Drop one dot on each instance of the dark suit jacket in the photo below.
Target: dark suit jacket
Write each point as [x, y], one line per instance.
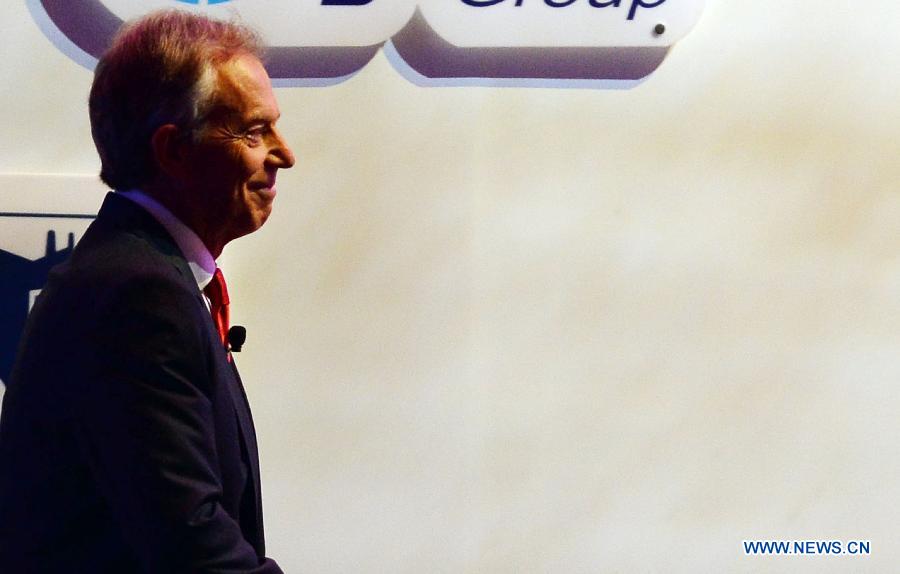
[126, 442]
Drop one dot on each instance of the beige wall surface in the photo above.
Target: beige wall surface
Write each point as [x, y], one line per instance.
[568, 331]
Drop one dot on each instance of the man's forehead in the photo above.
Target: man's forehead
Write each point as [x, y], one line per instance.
[244, 91]
[244, 69]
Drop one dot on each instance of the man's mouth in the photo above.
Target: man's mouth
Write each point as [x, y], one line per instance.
[265, 189]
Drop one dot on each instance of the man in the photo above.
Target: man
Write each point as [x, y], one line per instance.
[126, 443]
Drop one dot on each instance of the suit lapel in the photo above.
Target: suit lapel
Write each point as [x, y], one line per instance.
[228, 376]
[248, 432]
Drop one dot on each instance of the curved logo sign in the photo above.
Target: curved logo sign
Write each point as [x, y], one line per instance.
[431, 42]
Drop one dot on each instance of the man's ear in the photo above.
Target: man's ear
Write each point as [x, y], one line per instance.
[170, 149]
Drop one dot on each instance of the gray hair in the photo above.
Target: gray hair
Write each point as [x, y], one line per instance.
[159, 69]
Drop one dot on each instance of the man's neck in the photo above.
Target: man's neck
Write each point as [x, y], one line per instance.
[190, 215]
[201, 262]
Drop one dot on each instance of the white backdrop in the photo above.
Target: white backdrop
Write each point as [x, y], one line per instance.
[537, 330]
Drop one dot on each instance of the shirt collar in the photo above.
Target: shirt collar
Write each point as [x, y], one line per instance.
[199, 259]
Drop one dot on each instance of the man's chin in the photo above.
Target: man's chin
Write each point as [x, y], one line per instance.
[258, 218]
[249, 223]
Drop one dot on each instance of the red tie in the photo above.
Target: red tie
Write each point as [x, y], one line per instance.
[218, 304]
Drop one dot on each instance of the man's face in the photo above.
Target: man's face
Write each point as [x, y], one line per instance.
[233, 165]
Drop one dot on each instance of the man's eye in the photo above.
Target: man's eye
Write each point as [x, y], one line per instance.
[255, 136]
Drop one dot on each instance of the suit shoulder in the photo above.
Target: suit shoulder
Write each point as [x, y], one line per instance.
[107, 258]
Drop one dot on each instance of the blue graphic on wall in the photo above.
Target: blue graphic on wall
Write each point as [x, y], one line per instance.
[19, 278]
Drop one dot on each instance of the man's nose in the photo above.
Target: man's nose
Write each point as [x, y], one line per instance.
[280, 154]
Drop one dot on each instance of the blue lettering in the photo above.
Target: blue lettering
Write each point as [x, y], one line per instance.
[820, 547]
[817, 547]
[636, 3]
[632, 10]
[347, 2]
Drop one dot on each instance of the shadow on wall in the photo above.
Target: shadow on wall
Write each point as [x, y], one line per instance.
[19, 278]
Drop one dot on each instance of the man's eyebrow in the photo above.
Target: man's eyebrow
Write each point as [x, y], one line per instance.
[222, 112]
[262, 117]
[236, 117]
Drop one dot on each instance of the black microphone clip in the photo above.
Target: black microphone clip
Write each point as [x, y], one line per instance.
[237, 335]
